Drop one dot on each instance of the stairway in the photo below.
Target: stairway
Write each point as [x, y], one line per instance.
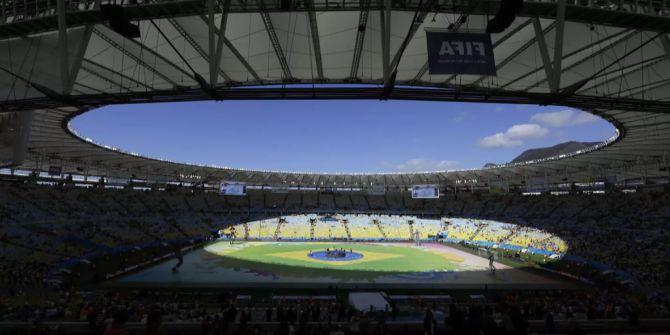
[208, 205]
[140, 227]
[511, 234]
[144, 203]
[167, 204]
[346, 228]
[178, 228]
[188, 204]
[444, 208]
[278, 230]
[312, 223]
[445, 225]
[283, 203]
[246, 230]
[477, 231]
[379, 226]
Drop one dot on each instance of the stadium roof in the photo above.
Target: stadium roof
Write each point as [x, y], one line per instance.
[608, 58]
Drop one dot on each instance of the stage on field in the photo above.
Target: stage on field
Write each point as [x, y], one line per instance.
[319, 264]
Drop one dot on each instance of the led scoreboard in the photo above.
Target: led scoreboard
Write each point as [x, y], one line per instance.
[425, 192]
[232, 188]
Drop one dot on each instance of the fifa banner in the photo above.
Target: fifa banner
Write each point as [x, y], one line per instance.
[460, 53]
[425, 192]
[376, 190]
[537, 185]
[499, 186]
[280, 189]
[232, 188]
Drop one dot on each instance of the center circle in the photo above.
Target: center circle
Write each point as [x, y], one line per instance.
[333, 256]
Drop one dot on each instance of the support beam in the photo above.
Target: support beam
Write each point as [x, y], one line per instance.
[360, 38]
[103, 77]
[224, 41]
[21, 147]
[79, 57]
[216, 71]
[316, 41]
[422, 71]
[498, 42]
[558, 45]
[621, 73]
[94, 66]
[141, 62]
[516, 53]
[220, 37]
[81, 52]
[414, 28]
[586, 47]
[63, 47]
[605, 16]
[242, 60]
[212, 47]
[666, 45]
[272, 34]
[625, 38]
[456, 26]
[385, 18]
[90, 88]
[463, 94]
[640, 89]
[544, 53]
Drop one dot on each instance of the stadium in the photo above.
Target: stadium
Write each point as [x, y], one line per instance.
[104, 240]
[376, 251]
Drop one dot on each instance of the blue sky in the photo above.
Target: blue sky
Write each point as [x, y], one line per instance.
[337, 136]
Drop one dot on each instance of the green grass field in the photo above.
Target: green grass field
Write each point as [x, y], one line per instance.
[376, 258]
[288, 265]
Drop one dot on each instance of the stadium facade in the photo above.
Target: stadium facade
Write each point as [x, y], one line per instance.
[63, 58]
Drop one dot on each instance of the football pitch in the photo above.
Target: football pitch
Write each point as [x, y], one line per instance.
[375, 257]
[302, 265]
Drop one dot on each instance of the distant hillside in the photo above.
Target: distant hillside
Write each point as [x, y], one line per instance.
[558, 149]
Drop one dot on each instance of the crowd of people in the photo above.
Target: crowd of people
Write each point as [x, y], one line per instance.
[377, 227]
[46, 229]
[228, 313]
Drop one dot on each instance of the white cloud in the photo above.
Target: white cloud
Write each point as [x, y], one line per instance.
[421, 164]
[499, 140]
[526, 130]
[514, 136]
[583, 117]
[554, 119]
[564, 118]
